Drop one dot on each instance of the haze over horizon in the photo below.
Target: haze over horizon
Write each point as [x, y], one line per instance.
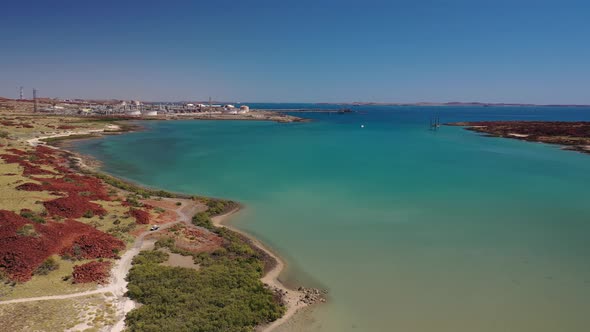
[305, 51]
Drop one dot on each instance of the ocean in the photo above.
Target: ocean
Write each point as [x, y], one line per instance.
[408, 229]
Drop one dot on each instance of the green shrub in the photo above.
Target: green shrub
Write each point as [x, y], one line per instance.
[225, 296]
[202, 219]
[47, 266]
[218, 206]
[32, 216]
[27, 230]
[133, 201]
[129, 186]
[215, 207]
[165, 242]
[150, 257]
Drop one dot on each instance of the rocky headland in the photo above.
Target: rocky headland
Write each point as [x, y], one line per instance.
[571, 135]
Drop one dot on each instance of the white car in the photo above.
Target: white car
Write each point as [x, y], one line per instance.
[154, 228]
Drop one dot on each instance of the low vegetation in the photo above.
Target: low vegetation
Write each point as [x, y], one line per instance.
[47, 266]
[51, 140]
[93, 312]
[32, 216]
[202, 219]
[62, 228]
[215, 207]
[27, 230]
[219, 206]
[130, 187]
[225, 294]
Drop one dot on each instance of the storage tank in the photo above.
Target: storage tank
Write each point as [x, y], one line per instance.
[244, 109]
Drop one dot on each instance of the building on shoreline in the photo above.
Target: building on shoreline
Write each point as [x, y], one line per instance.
[133, 113]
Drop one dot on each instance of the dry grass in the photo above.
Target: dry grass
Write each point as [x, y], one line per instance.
[89, 313]
[80, 313]
[47, 285]
[44, 125]
[13, 199]
[116, 222]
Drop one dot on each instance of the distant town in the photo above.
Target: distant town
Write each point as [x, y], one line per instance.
[125, 107]
[140, 109]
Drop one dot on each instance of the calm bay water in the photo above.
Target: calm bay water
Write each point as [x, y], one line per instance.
[410, 230]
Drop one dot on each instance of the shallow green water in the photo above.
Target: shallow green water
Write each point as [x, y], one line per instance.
[409, 230]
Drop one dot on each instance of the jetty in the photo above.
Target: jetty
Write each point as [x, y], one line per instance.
[434, 123]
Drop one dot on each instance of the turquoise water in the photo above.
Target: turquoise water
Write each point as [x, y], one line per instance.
[410, 230]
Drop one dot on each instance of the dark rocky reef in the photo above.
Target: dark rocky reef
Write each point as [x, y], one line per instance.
[572, 135]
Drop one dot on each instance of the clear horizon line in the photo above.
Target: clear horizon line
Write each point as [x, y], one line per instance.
[319, 102]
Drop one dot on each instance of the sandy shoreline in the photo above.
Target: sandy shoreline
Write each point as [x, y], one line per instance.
[293, 299]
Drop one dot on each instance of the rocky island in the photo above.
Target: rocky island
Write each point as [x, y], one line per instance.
[572, 135]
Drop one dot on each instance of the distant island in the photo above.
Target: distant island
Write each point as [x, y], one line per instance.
[454, 103]
[219, 104]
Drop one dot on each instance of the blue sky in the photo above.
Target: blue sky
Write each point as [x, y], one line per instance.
[307, 51]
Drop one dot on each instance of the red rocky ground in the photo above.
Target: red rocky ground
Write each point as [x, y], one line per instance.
[92, 272]
[94, 245]
[78, 190]
[141, 216]
[573, 135]
[74, 206]
[66, 127]
[71, 184]
[192, 239]
[20, 255]
[22, 252]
